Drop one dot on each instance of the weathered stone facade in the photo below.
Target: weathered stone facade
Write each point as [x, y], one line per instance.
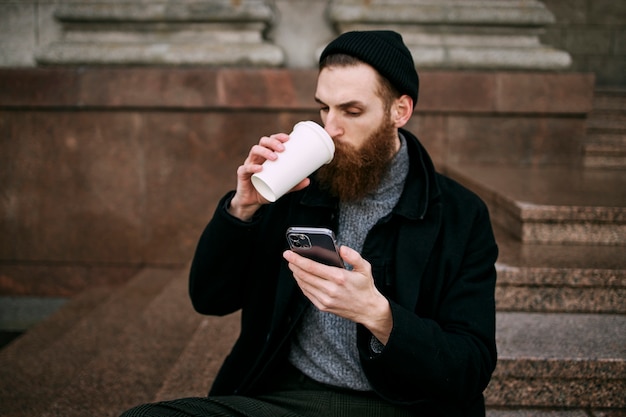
[581, 35]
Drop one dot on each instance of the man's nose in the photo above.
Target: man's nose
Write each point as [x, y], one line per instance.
[332, 125]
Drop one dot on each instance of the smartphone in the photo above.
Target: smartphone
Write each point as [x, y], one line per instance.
[316, 243]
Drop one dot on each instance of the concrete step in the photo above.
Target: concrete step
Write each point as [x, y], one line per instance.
[559, 278]
[28, 384]
[605, 144]
[609, 100]
[108, 350]
[195, 370]
[37, 368]
[540, 412]
[605, 150]
[606, 122]
[551, 204]
[130, 367]
[534, 348]
[560, 361]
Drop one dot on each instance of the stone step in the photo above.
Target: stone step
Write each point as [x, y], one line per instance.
[27, 383]
[541, 354]
[130, 367]
[607, 160]
[605, 149]
[108, 350]
[605, 144]
[551, 204]
[212, 341]
[37, 367]
[540, 412]
[559, 278]
[565, 361]
[606, 122]
[610, 100]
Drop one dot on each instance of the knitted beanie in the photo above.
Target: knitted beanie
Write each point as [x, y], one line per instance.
[385, 51]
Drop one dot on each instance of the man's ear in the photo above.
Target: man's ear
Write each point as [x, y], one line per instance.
[402, 110]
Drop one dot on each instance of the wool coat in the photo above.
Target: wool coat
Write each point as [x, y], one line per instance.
[433, 257]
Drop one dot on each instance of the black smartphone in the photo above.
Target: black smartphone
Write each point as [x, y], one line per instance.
[316, 243]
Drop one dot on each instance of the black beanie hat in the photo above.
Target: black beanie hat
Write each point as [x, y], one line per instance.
[385, 51]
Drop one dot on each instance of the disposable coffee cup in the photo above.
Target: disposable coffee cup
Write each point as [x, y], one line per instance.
[308, 148]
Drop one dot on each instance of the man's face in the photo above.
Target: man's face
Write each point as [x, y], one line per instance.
[350, 108]
[360, 124]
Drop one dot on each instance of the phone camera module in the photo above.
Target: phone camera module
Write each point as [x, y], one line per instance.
[300, 241]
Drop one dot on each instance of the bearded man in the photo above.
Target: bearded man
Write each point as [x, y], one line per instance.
[409, 328]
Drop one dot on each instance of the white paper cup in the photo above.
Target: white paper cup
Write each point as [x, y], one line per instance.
[308, 148]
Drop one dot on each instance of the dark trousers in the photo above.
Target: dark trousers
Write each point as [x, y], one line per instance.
[295, 395]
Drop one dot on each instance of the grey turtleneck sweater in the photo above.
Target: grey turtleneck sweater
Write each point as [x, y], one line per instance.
[324, 347]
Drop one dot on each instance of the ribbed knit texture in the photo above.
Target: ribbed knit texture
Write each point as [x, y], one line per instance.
[324, 347]
[385, 51]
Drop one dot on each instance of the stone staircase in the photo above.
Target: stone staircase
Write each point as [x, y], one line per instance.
[560, 298]
[561, 292]
[111, 348]
[606, 128]
[561, 325]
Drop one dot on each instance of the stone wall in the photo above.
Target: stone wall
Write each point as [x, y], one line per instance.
[105, 170]
[108, 170]
[594, 33]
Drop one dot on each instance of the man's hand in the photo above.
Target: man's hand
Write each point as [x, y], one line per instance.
[349, 294]
[247, 200]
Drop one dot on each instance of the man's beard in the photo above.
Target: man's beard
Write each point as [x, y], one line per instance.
[355, 173]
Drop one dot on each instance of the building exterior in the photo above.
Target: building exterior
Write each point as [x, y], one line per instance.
[288, 33]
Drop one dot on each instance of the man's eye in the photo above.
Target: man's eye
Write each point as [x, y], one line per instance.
[324, 109]
[353, 113]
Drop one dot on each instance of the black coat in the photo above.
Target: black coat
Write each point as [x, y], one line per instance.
[433, 257]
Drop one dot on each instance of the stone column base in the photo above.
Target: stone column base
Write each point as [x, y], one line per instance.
[200, 32]
[460, 34]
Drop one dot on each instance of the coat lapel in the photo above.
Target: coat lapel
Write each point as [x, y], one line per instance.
[415, 245]
[421, 207]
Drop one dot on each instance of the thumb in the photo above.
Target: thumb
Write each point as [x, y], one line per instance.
[353, 258]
